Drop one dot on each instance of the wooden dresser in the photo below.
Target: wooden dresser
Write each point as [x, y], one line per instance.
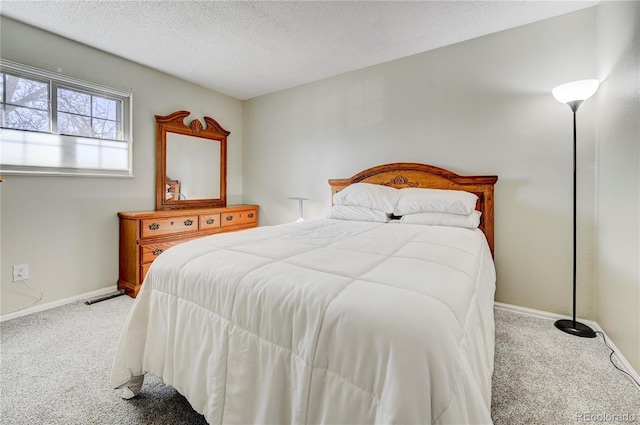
[146, 234]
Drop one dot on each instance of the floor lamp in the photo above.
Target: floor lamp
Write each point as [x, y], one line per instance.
[573, 94]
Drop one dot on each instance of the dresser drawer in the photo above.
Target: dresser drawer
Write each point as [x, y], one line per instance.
[167, 226]
[209, 221]
[239, 217]
[151, 251]
[144, 235]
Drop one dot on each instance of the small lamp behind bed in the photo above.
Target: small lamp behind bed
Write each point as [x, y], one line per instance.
[573, 94]
[300, 206]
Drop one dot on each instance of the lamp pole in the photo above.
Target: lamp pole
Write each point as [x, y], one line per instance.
[575, 209]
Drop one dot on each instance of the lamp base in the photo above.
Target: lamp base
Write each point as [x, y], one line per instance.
[575, 328]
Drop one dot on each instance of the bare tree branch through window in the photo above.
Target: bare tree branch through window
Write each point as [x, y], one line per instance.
[52, 123]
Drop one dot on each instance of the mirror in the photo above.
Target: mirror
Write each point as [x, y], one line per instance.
[191, 163]
[190, 159]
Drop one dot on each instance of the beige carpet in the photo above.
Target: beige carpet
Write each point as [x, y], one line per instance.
[545, 376]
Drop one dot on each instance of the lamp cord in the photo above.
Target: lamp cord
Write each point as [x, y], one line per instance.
[613, 363]
[37, 299]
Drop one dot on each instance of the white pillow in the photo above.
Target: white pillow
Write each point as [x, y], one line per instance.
[416, 200]
[471, 221]
[344, 212]
[367, 195]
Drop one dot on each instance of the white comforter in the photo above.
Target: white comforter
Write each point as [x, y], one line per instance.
[324, 321]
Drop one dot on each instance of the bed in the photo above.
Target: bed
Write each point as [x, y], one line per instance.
[329, 321]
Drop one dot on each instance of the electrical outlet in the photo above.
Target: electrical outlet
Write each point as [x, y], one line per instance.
[20, 272]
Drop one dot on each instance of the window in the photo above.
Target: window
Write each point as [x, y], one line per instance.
[53, 124]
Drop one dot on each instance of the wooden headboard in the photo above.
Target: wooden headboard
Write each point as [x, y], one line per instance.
[174, 187]
[408, 174]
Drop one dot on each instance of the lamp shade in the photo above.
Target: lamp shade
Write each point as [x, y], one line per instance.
[576, 90]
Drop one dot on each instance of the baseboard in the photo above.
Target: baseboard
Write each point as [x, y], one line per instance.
[58, 303]
[553, 316]
[538, 313]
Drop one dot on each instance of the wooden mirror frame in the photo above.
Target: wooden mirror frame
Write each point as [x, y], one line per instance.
[174, 123]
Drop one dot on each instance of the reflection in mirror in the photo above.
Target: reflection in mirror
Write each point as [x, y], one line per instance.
[173, 190]
[192, 162]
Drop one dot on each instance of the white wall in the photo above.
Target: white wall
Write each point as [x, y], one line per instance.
[479, 107]
[617, 294]
[66, 228]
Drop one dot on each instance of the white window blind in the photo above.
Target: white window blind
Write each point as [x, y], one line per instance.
[54, 124]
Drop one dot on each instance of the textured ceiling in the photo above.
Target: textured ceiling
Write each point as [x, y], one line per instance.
[249, 48]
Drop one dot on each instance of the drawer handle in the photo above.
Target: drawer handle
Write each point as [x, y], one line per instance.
[154, 226]
[229, 217]
[188, 222]
[250, 215]
[210, 221]
[157, 251]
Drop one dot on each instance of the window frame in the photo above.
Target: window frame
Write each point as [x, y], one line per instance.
[55, 81]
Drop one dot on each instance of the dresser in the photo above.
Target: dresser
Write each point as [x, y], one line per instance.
[146, 234]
